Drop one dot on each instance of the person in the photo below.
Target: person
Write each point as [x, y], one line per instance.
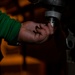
[13, 31]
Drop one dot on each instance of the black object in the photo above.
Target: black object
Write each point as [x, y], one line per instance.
[72, 54]
[1, 56]
[23, 53]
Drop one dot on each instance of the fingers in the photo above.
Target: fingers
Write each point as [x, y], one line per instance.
[47, 28]
[35, 32]
[43, 26]
[41, 35]
[43, 32]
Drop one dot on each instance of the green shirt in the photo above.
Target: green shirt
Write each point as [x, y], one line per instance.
[9, 28]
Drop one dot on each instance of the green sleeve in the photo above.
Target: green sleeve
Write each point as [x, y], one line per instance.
[9, 28]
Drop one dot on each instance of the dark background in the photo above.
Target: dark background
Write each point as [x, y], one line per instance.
[53, 51]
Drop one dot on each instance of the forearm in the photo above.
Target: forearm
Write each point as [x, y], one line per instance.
[9, 28]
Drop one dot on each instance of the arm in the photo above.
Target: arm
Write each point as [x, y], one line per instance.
[9, 28]
[13, 31]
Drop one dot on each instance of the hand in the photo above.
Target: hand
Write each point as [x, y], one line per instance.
[34, 32]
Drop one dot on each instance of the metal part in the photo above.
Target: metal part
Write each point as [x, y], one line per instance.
[70, 40]
[53, 14]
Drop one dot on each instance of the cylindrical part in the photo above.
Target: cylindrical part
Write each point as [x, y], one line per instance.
[53, 14]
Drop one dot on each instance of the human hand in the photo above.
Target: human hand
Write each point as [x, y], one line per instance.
[34, 32]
